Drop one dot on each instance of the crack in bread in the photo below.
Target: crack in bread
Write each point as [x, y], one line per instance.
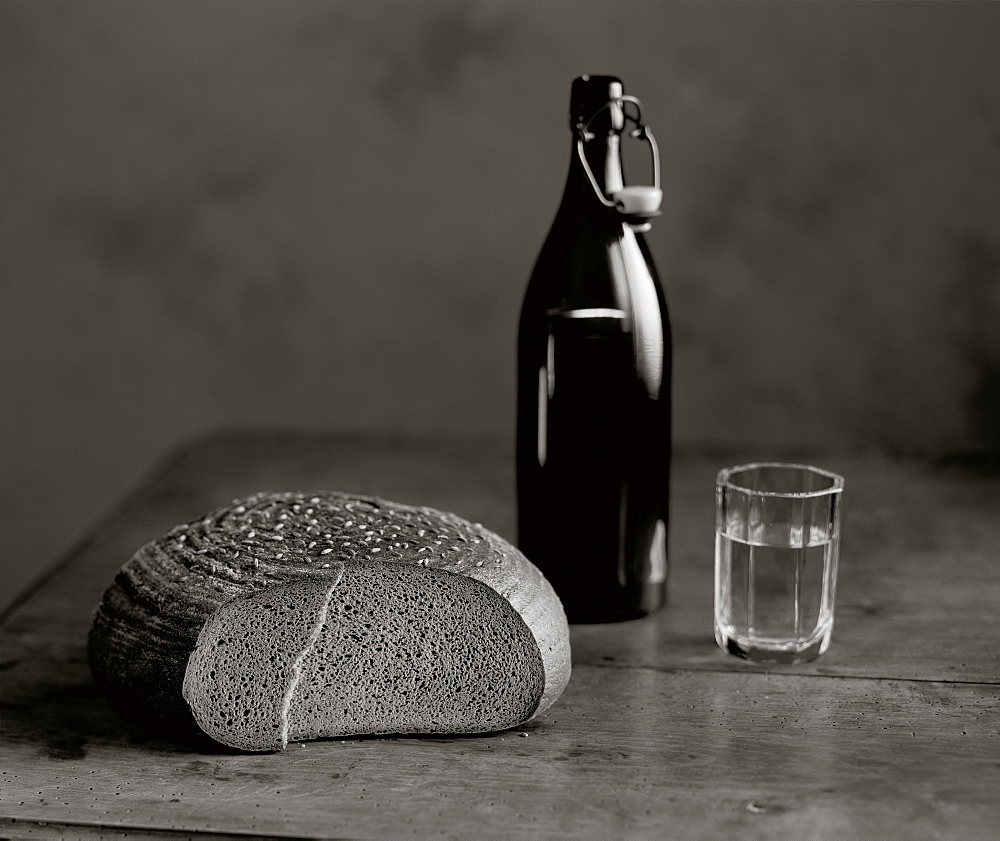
[307, 649]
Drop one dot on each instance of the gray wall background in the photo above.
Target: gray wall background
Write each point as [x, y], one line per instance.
[323, 215]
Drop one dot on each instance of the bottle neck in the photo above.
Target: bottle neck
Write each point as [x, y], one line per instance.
[603, 154]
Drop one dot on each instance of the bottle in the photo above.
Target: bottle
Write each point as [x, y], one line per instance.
[593, 392]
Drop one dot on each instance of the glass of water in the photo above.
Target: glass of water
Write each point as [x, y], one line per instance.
[777, 537]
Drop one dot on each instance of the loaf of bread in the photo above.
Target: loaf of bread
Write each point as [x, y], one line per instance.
[291, 616]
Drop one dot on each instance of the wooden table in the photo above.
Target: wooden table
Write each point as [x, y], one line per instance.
[893, 733]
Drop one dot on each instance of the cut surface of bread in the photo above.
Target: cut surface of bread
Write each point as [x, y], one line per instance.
[441, 595]
[436, 652]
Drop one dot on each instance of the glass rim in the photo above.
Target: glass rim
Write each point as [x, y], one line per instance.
[723, 479]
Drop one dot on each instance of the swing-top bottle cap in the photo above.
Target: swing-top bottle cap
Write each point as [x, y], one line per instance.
[597, 107]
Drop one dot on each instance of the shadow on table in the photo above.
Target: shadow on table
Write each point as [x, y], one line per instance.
[68, 719]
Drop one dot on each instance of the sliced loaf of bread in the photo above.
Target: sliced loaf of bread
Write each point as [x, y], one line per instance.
[299, 616]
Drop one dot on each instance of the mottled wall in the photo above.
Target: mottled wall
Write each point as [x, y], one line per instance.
[323, 214]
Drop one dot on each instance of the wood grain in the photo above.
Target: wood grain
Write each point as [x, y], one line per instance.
[626, 752]
[893, 733]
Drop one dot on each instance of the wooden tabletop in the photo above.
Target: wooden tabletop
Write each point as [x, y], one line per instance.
[893, 733]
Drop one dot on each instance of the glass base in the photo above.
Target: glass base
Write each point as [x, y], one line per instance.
[769, 651]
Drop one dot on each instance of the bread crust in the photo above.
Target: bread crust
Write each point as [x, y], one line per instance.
[147, 624]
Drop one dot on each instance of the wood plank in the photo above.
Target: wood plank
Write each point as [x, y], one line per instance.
[627, 751]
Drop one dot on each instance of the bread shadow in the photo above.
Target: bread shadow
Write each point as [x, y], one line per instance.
[67, 721]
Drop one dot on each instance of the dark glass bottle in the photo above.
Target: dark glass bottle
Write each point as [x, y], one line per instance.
[593, 405]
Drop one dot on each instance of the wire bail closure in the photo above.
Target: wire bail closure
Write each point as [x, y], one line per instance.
[640, 202]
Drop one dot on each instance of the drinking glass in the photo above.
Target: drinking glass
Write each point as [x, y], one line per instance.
[777, 538]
